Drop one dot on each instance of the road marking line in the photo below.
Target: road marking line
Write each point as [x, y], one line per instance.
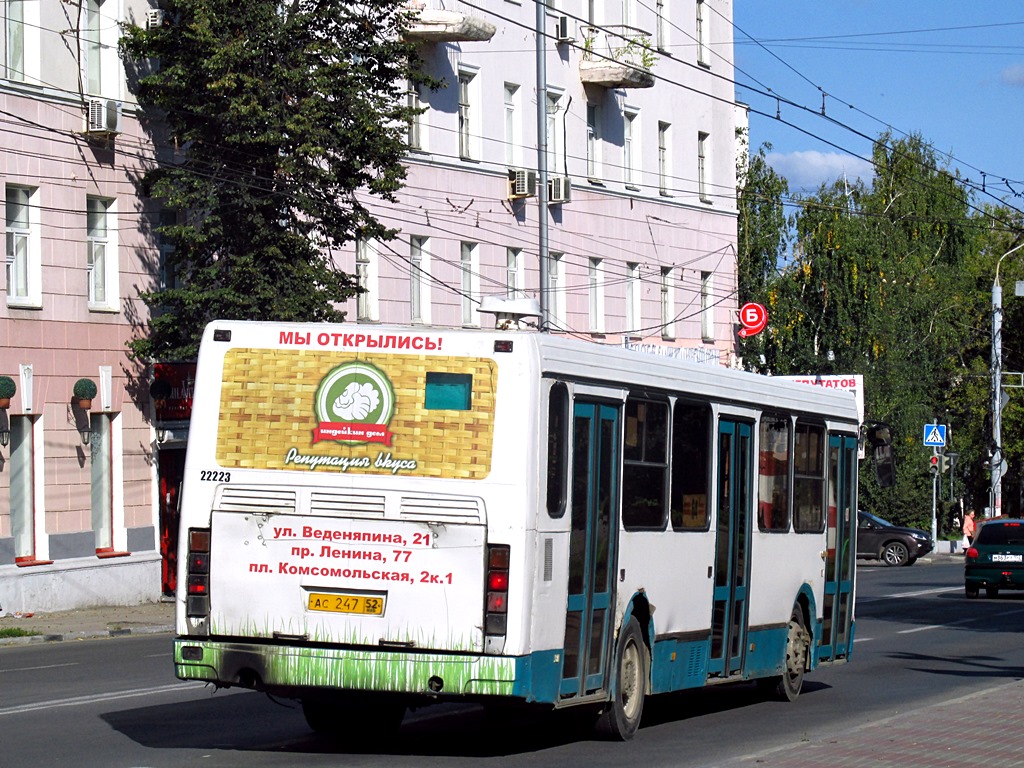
[937, 591]
[97, 697]
[47, 666]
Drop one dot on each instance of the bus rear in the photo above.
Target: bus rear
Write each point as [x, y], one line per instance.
[332, 548]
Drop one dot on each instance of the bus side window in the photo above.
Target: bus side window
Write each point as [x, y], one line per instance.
[773, 474]
[645, 465]
[691, 437]
[558, 449]
[809, 479]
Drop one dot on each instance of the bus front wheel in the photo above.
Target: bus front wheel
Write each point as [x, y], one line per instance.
[621, 716]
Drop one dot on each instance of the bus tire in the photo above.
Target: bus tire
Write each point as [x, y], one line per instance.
[787, 686]
[360, 717]
[621, 716]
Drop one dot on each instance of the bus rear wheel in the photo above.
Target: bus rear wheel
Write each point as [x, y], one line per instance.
[786, 687]
[362, 718]
[621, 716]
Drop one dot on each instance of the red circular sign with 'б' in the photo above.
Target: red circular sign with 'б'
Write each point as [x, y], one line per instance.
[753, 317]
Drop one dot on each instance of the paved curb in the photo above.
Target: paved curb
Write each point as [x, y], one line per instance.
[90, 635]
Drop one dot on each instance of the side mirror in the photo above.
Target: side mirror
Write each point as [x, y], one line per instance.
[879, 437]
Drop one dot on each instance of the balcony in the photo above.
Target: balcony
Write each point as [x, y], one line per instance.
[436, 25]
[617, 57]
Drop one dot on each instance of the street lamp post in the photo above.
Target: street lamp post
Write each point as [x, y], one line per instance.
[996, 506]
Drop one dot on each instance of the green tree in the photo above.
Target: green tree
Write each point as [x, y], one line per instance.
[273, 116]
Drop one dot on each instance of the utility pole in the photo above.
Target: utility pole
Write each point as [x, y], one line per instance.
[996, 506]
[542, 165]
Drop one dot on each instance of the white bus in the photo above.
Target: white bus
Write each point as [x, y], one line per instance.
[381, 518]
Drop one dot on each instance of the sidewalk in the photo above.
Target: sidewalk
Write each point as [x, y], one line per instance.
[108, 621]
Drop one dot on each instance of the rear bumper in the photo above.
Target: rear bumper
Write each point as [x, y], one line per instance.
[290, 670]
[988, 576]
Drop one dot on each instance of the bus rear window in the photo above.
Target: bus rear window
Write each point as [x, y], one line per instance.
[448, 391]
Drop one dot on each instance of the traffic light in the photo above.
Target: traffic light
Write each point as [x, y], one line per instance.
[943, 464]
[934, 465]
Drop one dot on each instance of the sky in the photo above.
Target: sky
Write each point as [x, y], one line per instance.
[952, 72]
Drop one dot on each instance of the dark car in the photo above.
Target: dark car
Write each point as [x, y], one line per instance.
[996, 558]
[878, 539]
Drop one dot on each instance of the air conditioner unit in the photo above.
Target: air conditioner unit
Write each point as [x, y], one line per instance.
[154, 18]
[521, 183]
[104, 116]
[559, 189]
[565, 29]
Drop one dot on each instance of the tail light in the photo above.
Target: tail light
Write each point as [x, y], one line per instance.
[972, 553]
[496, 613]
[197, 602]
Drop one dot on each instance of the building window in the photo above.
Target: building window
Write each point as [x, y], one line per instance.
[707, 307]
[629, 13]
[419, 280]
[630, 148]
[99, 41]
[593, 142]
[417, 121]
[702, 162]
[556, 289]
[469, 263]
[595, 293]
[368, 301]
[702, 34]
[664, 158]
[556, 147]
[668, 304]
[514, 273]
[469, 131]
[661, 26]
[632, 297]
[512, 137]
[101, 254]
[22, 248]
[15, 63]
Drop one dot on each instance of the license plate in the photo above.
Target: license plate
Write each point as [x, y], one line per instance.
[368, 605]
[1007, 558]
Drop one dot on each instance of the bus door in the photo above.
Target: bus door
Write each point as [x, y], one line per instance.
[837, 610]
[594, 510]
[732, 561]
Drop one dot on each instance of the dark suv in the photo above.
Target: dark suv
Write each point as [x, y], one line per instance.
[878, 539]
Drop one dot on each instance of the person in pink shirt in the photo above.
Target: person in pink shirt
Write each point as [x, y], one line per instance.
[968, 529]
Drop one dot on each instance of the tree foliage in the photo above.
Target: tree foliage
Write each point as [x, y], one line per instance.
[274, 115]
[890, 279]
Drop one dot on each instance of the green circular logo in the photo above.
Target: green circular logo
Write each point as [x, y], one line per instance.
[355, 393]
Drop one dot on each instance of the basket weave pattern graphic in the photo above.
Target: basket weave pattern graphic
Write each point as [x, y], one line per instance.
[266, 409]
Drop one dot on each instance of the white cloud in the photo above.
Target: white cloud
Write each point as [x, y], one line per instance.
[1013, 75]
[806, 171]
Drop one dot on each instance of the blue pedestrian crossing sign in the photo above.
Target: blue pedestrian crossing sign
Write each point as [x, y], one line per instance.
[935, 435]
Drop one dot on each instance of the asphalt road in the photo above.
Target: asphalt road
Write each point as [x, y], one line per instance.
[115, 702]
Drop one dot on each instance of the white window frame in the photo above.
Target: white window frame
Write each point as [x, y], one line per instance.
[469, 267]
[631, 147]
[661, 26]
[101, 257]
[556, 289]
[701, 34]
[515, 283]
[513, 131]
[469, 112]
[419, 279]
[106, 450]
[629, 13]
[594, 142]
[416, 137]
[668, 304]
[595, 295]
[22, 247]
[27, 500]
[703, 147]
[664, 158]
[367, 277]
[552, 122]
[101, 65]
[633, 308]
[707, 306]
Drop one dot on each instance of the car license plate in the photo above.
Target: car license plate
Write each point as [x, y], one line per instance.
[335, 602]
[1007, 558]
